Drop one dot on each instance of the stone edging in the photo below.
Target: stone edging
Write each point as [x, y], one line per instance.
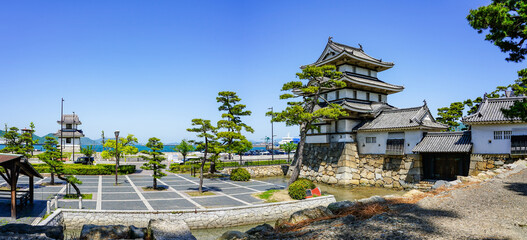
[195, 219]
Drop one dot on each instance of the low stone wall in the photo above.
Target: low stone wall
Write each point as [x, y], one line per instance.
[483, 162]
[54, 219]
[341, 164]
[262, 171]
[195, 219]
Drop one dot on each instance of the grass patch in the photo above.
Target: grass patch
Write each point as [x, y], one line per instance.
[151, 188]
[7, 188]
[273, 195]
[267, 194]
[197, 194]
[74, 196]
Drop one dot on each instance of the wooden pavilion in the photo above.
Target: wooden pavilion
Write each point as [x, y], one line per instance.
[13, 165]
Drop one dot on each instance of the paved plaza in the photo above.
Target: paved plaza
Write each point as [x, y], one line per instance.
[130, 195]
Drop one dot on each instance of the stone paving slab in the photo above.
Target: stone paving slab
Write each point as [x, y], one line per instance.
[75, 204]
[248, 198]
[267, 187]
[236, 190]
[172, 204]
[118, 189]
[161, 195]
[117, 196]
[86, 189]
[123, 205]
[217, 201]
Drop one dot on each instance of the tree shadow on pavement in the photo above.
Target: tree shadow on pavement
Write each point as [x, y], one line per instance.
[520, 188]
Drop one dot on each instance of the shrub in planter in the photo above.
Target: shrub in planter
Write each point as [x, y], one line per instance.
[297, 189]
[240, 174]
[123, 169]
[175, 167]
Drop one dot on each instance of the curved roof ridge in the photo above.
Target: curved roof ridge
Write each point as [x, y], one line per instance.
[449, 133]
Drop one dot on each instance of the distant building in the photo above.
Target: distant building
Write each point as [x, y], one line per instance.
[69, 135]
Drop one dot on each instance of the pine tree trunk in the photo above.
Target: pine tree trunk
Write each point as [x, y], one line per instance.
[299, 155]
[155, 180]
[72, 184]
[52, 178]
[201, 171]
[212, 167]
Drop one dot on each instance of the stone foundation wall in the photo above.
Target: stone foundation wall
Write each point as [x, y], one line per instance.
[262, 171]
[196, 219]
[341, 164]
[483, 162]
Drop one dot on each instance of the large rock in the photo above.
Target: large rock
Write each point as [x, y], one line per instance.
[51, 232]
[96, 232]
[340, 207]
[164, 229]
[233, 235]
[309, 214]
[261, 231]
[24, 236]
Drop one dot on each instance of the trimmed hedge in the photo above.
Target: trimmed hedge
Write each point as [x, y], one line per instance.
[186, 168]
[78, 169]
[240, 174]
[297, 189]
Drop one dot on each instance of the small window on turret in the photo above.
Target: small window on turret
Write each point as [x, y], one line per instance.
[354, 94]
[338, 94]
[368, 96]
[380, 98]
[69, 126]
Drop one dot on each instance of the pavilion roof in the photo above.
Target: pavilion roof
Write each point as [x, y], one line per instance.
[70, 119]
[25, 167]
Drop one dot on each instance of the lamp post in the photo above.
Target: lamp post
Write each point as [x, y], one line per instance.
[116, 154]
[272, 134]
[73, 139]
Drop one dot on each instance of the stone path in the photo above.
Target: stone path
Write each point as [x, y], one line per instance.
[130, 195]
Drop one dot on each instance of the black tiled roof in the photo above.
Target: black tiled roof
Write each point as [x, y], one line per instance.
[490, 110]
[439, 142]
[403, 118]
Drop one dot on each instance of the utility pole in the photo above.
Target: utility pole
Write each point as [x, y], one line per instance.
[61, 123]
[74, 130]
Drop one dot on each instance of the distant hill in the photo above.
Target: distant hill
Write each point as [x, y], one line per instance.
[88, 141]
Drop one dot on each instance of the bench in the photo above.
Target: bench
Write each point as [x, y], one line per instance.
[21, 195]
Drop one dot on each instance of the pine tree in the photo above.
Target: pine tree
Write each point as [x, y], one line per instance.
[155, 159]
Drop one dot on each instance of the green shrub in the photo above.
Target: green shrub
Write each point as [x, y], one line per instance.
[240, 174]
[123, 169]
[297, 189]
[174, 167]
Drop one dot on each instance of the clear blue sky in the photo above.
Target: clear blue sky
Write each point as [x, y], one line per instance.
[149, 67]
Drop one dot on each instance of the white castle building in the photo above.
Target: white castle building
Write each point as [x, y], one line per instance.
[69, 135]
[379, 144]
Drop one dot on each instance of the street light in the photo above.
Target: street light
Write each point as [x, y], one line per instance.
[116, 154]
[272, 134]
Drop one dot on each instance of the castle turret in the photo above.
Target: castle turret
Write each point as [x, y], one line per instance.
[69, 135]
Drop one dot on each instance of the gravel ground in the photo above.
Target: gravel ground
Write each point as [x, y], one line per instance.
[496, 209]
